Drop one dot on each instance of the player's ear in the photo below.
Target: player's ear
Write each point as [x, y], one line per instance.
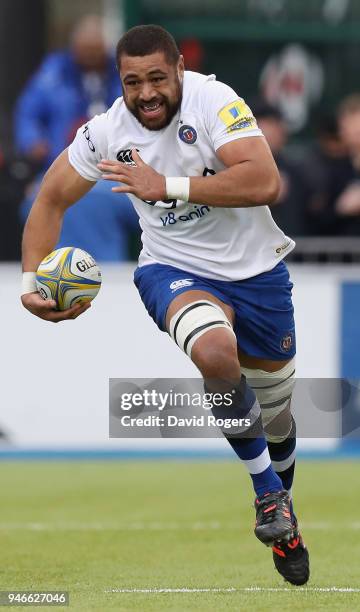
[180, 67]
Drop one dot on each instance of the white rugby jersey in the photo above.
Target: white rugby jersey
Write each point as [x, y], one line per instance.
[214, 242]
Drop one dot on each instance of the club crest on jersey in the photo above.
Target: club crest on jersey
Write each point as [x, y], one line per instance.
[178, 284]
[286, 342]
[125, 157]
[187, 134]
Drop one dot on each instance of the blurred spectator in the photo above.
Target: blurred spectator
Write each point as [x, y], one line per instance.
[347, 202]
[70, 87]
[290, 210]
[326, 166]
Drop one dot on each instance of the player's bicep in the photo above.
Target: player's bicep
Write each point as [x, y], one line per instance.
[62, 184]
[254, 149]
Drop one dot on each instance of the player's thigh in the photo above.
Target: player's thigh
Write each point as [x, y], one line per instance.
[217, 338]
[264, 325]
[260, 363]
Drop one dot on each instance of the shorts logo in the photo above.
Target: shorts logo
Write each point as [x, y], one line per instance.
[125, 157]
[188, 134]
[179, 284]
[286, 342]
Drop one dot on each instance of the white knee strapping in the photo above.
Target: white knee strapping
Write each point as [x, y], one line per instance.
[273, 391]
[194, 320]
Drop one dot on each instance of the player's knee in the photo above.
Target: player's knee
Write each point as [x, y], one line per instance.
[203, 331]
[274, 391]
[279, 435]
[279, 428]
[191, 323]
[216, 357]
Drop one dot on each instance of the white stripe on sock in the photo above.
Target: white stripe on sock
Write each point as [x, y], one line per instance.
[281, 466]
[259, 464]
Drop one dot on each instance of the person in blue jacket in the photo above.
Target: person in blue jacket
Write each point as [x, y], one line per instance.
[70, 87]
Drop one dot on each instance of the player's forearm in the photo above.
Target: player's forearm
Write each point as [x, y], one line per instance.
[240, 186]
[253, 181]
[41, 233]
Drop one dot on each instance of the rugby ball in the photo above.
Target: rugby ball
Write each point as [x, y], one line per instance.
[68, 275]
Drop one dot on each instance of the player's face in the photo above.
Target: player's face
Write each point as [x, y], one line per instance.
[152, 88]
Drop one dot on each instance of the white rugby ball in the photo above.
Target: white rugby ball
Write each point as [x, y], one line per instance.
[68, 275]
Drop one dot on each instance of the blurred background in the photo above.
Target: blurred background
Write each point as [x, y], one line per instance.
[296, 64]
[184, 520]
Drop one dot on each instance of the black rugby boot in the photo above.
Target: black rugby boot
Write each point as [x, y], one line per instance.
[273, 517]
[291, 559]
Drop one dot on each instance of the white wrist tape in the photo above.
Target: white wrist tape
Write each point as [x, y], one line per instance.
[177, 188]
[28, 283]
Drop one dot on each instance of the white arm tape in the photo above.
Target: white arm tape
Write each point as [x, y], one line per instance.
[177, 188]
[28, 283]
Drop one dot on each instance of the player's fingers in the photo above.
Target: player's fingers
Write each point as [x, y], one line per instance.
[81, 311]
[115, 177]
[125, 189]
[114, 169]
[136, 157]
[117, 167]
[78, 308]
[34, 300]
[109, 162]
[70, 313]
[48, 305]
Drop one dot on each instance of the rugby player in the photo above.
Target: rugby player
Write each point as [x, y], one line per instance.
[211, 274]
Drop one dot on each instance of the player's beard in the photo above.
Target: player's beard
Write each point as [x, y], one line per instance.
[171, 108]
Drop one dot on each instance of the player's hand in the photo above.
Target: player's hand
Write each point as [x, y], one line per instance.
[141, 180]
[45, 309]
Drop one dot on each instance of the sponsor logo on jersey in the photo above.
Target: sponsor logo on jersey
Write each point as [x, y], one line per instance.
[178, 284]
[247, 124]
[282, 248]
[125, 157]
[237, 116]
[188, 134]
[196, 213]
[286, 342]
[86, 133]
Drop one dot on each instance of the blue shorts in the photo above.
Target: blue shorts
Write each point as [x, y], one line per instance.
[264, 314]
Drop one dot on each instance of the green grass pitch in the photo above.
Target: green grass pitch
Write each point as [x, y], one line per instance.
[91, 527]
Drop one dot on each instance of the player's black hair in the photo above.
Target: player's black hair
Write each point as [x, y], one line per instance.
[146, 39]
